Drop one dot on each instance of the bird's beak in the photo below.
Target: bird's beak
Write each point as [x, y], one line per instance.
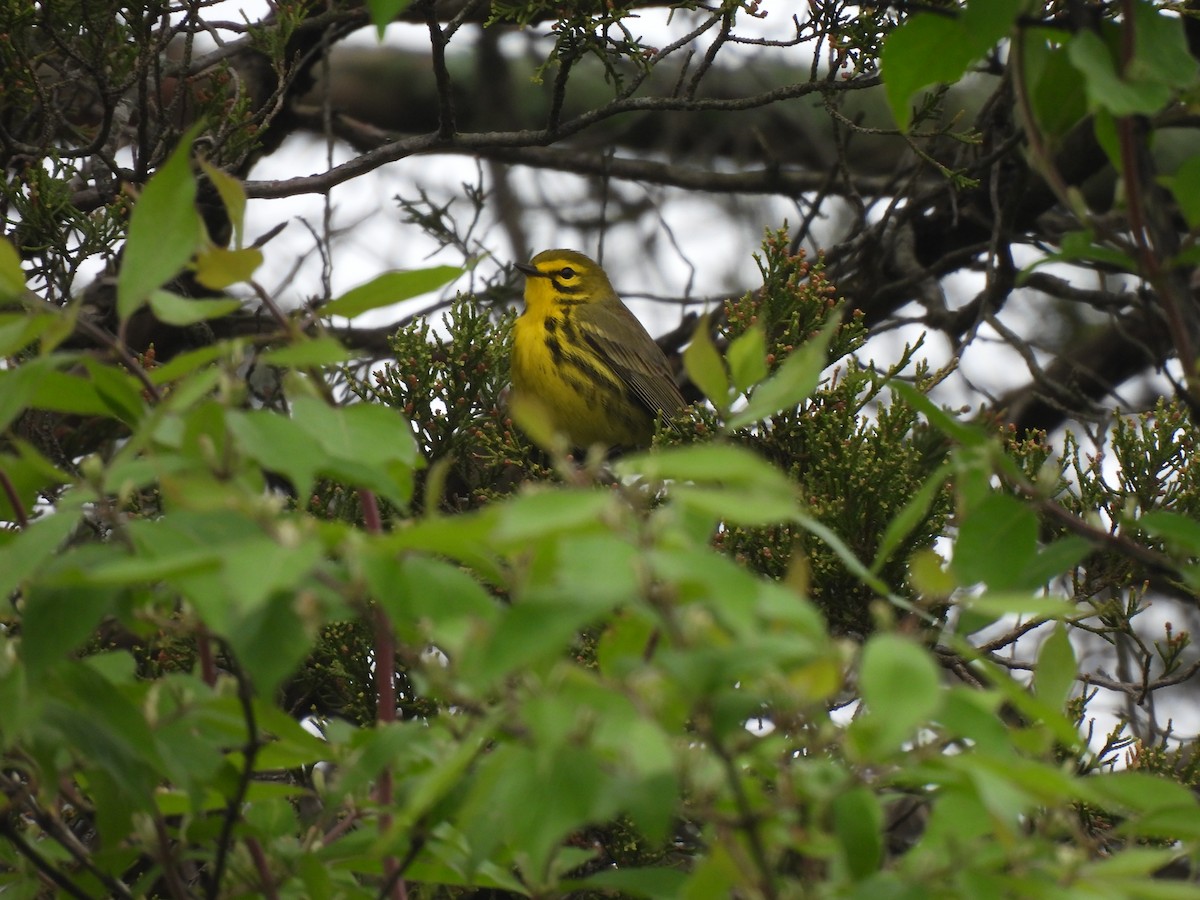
[530, 271]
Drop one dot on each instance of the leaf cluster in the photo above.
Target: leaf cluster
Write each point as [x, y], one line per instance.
[687, 743]
[451, 383]
[856, 459]
[759, 660]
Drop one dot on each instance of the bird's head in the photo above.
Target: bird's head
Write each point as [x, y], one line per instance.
[564, 276]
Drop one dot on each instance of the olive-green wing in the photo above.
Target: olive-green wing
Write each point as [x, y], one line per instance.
[615, 333]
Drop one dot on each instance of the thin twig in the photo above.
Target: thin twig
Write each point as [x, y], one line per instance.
[385, 693]
[233, 809]
[27, 803]
[441, 74]
[43, 865]
[265, 879]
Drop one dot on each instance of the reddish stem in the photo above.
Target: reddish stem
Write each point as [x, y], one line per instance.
[385, 699]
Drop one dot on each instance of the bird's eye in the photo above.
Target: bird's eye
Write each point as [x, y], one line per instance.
[566, 272]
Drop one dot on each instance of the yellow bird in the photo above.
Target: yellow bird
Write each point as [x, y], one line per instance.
[581, 355]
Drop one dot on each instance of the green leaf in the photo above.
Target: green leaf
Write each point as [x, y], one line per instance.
[1055, 86]
[175, 310]
[19, 330]
[597, 570]
[996, 543]
[320, 351]
[428, 600]
[291, 745]
[901, 689]
[16, 389]
[232, 194]
[974, 715]
[186, 396]
[383, 12]
[183, 541]
[498, 809]
[959, 816]
[27, 473]
[1185, 186]
[720, 482]
[12, 276]
[466, 537]
[1104, 126]
[714, 580]
[60, 392]
[546, 513]
[253, 570]
[655, 883]
[528, 633]
[1138, 793]
[389, 288]
[1179, 531]
[705, 367]
[217, 267]
[449, 770]
[1054, 723]
[164, 230]
[729, 465]
[37, 384]
[1081, 246]
[1189, 256]
[858, 825]
[270, 819]
[931, 49]
[270, 640]
[456, 871]
[131, 570]
[747, 358]
[1010, 783]
[23, 555]
[1130, 861]
[1054, 560]
[961, 432]
[1105, 87]
[60, 615]
[792, 383]
[747, 507]
[1054, 676]
[1161, 53]
[714, 877]
[187, 363]
[108, 731]
[928, 575]
[996, 604]
[1177, 823]
[367, 444]
[624, 644]
[924, 51]
[120, 391]
[289, 447]
[988, 21]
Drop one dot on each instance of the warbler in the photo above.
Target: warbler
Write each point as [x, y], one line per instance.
[586, 359]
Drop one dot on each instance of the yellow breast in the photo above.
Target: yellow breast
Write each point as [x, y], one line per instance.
[584, 400]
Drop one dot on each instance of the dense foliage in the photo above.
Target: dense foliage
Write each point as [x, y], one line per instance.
[281, 622]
